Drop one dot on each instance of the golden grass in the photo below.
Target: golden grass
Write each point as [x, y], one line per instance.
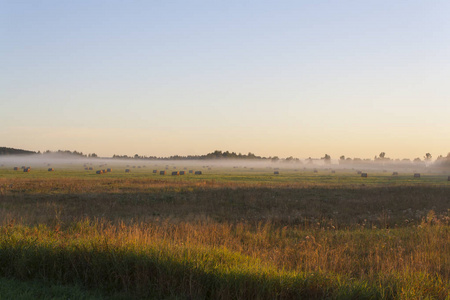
[227, 240]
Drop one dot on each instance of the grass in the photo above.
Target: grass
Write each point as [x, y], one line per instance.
[228, 236]
[14, 289]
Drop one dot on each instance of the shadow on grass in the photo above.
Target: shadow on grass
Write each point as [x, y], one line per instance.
[163, 273]
[344, 207]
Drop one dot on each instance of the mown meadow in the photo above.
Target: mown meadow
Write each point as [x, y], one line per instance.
[226, 234]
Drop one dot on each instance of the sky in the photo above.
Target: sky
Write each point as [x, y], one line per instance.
[275, 78]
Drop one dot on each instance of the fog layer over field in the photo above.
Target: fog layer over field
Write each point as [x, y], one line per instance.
[64, 161]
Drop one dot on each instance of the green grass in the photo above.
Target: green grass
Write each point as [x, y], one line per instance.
[99, 256]
[14, 289]
[226, 175]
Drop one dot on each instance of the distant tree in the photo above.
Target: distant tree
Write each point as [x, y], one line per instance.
[327, 159]
[93, 155]
[427, 156]
[275, 158]
[382, 155]
[417, 159]
[342, 157]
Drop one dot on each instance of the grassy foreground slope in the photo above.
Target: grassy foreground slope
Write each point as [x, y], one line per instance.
[148, 261]
[217, 237]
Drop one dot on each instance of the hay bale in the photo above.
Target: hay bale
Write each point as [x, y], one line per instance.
[276, 173]
[315, 171]
[51, 169]
[155, 171]
[182, 172]
[91, 169]
[416, 175]
[364, 175]
[191, 171]
[109, 170]
[448, 179]
[394, 173]
[99, 172]
[27, 169]
[198, 173]
[175, 173]
[127, 171]
[162, 172]
[86, 169]
[16, 168]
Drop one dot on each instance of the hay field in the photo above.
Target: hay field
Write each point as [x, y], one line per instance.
[230, 233]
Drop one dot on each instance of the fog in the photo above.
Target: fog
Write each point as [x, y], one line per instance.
[60, 161]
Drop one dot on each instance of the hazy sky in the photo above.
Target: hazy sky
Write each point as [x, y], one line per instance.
[300, 78]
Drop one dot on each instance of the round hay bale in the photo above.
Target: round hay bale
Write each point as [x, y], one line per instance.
[127, 171]
[109, 170]
[16, 168]
[276, 173]
[191, 171]
[416, 175]
[394, 173]
[182, 172]
[155, 171]
[364, 175]
[91, 169]
[51, 169]
[99, 172]
[198, 173]
[175, 173]
[162, 172]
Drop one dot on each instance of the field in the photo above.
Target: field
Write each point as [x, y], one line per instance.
[230, 233]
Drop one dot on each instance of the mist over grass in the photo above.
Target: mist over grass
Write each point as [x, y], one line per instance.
[68, 161]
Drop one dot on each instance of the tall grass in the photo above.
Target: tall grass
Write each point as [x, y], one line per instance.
[232, 261]
[151, 238]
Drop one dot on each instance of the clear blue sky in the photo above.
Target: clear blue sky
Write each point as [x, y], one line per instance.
[300, 78]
